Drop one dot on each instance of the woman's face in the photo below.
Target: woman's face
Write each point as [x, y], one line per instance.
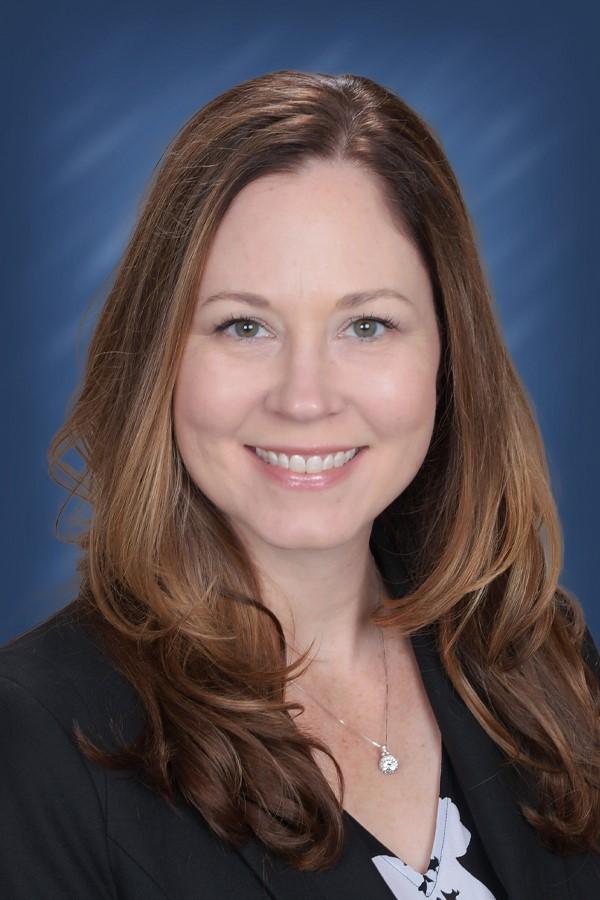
[296, 375]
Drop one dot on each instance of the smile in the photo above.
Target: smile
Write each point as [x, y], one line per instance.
[296, 472]
[306, 464]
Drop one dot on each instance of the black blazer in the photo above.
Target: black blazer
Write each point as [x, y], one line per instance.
[73, 831]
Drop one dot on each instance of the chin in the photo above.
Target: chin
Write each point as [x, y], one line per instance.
[303, 536]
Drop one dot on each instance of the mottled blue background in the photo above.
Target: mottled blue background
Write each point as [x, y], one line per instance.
[92, 95]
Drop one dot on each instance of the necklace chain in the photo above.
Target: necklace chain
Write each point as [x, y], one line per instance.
[388, 763]
[350, 727]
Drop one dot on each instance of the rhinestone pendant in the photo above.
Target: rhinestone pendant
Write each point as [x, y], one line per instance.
[387, 762]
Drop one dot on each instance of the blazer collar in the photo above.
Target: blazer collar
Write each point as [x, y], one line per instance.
[491, 788]
[525, 868]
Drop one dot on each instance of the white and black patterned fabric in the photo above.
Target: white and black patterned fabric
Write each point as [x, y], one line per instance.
[459, 868]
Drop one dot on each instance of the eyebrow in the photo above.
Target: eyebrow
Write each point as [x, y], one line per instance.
[348, 301]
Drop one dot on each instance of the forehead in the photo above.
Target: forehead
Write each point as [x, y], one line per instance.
[321, 195]
[326, 227]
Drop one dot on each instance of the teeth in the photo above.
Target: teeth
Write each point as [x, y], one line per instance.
[306, 465]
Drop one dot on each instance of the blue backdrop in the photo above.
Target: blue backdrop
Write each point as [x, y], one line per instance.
[92, 97]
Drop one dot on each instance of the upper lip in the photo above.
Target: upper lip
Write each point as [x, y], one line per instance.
[306, 451]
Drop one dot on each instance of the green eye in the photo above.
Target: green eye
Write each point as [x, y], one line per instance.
[246, 333]
[388, 325]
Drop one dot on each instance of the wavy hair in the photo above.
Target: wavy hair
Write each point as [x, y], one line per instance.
[167, 580]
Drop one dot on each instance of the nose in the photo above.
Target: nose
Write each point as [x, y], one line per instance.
[305, 383]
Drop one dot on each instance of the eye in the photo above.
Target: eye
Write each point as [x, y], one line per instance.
[248, 333]
[234, 320]
[387, 323]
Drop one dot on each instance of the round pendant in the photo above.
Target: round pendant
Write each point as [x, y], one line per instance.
[387, 762]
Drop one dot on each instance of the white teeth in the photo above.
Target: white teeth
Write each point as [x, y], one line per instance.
[306, 465]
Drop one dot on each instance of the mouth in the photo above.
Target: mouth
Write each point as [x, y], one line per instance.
[283, 455]
[307, 470]
[308, 451]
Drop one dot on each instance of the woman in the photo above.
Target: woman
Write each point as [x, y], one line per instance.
[319, 647]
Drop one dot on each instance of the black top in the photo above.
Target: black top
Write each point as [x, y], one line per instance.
[72, 830]
[458, 866]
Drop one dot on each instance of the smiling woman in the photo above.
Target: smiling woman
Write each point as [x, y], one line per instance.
[319, 646]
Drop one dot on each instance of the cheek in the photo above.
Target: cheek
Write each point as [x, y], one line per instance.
[205, 400]
[402, 399]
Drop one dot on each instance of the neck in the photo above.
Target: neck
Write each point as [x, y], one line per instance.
[324, 597]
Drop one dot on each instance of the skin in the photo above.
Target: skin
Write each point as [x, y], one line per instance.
[304, 377]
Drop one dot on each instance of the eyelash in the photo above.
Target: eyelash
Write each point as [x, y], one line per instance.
[386, 321]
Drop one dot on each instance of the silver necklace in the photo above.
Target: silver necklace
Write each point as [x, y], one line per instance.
[388, 763]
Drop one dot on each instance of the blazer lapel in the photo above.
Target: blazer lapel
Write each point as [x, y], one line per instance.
[354, 877]
[524, 866]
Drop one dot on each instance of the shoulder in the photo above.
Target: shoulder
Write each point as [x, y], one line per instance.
[53, 805]
[61, 667]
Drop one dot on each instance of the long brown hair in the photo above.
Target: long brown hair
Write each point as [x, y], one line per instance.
[172, 589]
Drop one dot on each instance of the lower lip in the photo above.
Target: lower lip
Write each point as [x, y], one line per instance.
[298, 481]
